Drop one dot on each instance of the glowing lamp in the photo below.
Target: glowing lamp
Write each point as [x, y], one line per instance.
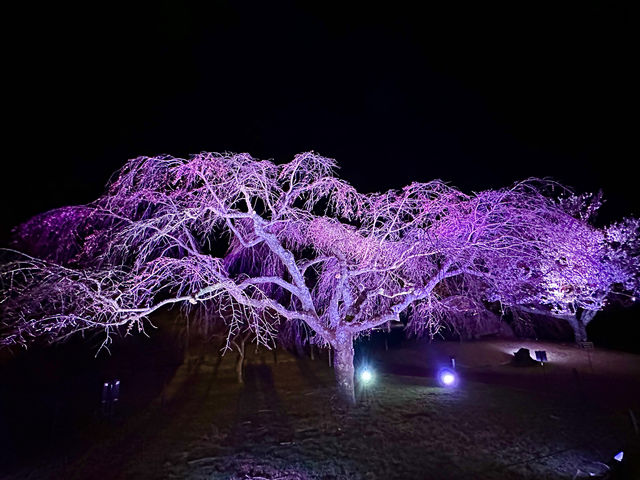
[447, 377]
[366, 376]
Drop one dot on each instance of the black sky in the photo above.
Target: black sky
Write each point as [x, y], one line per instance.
[478, 95]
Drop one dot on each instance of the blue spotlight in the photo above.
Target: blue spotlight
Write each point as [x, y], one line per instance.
[619, 456]
[448, 377]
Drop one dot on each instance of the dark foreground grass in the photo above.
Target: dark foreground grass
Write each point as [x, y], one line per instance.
[283, 423]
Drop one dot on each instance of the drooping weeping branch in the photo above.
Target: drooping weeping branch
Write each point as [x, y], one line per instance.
[303, 246]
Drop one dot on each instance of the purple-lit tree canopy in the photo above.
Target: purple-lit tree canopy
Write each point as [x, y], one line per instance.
[276, 247]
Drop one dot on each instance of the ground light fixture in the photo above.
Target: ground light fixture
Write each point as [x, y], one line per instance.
[541, 356]
[447, 377]
[366, 376]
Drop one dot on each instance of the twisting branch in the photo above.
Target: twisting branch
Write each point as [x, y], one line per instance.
[305, 252]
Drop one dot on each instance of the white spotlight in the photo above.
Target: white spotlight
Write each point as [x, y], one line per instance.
[366, 376]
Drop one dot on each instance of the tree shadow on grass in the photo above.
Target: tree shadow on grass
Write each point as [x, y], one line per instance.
[260, 415]
[308, 374]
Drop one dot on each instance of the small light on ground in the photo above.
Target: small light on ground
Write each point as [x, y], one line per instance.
[619, 456]
[447, 377]
[366, 376]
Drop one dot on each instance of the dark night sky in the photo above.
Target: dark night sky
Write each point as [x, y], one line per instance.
[478, 95]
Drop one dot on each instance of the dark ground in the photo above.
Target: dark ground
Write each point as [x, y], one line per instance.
[192, 420]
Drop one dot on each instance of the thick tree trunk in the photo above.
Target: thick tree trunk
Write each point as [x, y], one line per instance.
[587, 316]
[579, 328]
[577, 321]
[343, 367]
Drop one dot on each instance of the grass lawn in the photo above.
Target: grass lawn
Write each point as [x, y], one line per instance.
[501, 422]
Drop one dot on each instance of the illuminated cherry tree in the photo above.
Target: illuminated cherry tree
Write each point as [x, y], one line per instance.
[617, 266]
[281, 249]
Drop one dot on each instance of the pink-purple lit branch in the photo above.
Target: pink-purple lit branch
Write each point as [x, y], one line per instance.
[269, 246]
